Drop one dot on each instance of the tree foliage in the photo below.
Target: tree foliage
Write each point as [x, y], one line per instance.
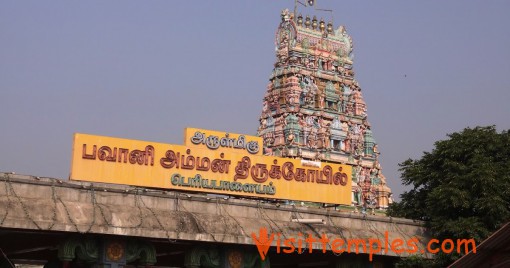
[462, 188]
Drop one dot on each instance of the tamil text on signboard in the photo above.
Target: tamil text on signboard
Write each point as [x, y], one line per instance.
[209, 162]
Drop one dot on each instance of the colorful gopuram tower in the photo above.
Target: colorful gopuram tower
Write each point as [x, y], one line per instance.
[314, 109]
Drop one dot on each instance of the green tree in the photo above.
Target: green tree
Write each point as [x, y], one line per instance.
[462, 188]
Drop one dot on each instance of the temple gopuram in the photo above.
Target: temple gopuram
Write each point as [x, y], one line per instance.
[313, 108]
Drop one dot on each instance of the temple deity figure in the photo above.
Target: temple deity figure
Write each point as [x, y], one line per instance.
[356, 173]
[263, 123]
[347, 144]
[327, 138]
[359, 148]
[268, 151]
[324, 134]
[302, 121]
[265, 107]
[285, 15]
[312, 138]
[340, 105]
[357, 194]
[292, 99]
[336, 123]
[345, 127]
[374, 179]
[306, 62]
[290, 138]
[322, 98]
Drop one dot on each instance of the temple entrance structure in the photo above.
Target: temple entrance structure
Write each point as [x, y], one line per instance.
[284, 198]
[54, 223]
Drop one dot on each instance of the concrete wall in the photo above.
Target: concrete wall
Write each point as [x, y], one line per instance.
[28, 202]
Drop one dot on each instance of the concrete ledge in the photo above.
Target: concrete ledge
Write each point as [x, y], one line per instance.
[46, 204]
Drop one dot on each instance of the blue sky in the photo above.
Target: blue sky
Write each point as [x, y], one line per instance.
[148, 69]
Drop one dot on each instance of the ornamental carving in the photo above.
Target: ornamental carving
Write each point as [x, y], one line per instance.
[314, 108]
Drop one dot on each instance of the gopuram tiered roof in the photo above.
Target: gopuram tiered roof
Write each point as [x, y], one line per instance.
[313, 108]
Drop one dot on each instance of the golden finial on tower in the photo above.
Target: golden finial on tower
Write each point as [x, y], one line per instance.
[307, 22]
[322, 25]
[314, 22]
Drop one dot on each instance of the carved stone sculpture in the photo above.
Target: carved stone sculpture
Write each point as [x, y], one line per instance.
[314, 107]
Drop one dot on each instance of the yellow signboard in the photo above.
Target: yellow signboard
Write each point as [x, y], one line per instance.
[232, 166]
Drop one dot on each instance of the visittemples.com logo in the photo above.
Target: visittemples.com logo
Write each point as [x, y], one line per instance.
[370, 246]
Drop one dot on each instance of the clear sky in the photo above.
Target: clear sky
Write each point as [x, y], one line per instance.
[147, 69]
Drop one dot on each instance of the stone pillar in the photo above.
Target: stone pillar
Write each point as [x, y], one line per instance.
[224, 258]
[85, 250]
[202, 257]
[141, 252]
